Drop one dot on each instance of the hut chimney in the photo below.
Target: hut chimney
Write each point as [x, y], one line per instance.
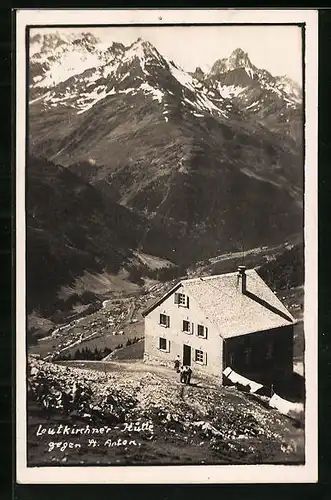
[242, 277]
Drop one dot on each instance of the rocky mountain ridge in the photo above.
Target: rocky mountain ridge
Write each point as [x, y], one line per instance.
[202, 170]
[233, 84]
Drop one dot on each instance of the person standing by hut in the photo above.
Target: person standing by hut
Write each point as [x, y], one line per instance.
[188, 375]
[185, 374]
[182, 374]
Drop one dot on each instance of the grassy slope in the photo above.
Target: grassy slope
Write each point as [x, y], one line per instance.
[286, 271]
[68, 231]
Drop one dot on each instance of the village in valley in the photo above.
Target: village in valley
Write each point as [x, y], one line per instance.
[117, 365]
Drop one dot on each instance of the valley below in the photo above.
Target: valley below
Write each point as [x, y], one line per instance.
[115, 330]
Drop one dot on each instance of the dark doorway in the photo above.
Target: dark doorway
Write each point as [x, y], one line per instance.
[186, 355]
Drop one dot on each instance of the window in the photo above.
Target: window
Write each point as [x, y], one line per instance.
[181, 299]
[164, 320]
[202, 331]
[199, 356]
[187, 327]
[162, 344]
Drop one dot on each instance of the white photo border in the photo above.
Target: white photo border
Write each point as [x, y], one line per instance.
[200, 474]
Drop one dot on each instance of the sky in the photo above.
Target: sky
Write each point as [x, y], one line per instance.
[274, 48]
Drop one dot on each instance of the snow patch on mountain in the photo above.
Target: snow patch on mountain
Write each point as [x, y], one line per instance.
[69, 65]
[291, 88]
[109, 69]
[93, 78]
[156, 93]
[97, 95]
[255, 103]
[229, 91]
[37, 78]
[35, 48]
[143, 51]
[203, 103]
[130, 90]
[44, 96]
[282, 87]
[206, 104]
[266, 85]
[64, 55]
[182, 77]
[250, 72]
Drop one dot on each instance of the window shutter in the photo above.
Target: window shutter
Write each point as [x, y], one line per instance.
[206, 332]
[192, 328]
[168, 345]
[205, 358]
[168, 321]
[187, 302]
[176, 298]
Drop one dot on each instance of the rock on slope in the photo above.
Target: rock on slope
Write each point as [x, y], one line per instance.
[182, 425]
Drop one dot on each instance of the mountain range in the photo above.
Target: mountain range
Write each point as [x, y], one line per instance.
[198, 162]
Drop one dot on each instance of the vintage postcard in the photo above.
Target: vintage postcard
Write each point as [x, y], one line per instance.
[166, 191]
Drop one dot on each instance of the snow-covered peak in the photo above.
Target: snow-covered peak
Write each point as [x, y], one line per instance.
[46, 43]
[237, 76]
[142, 43]
[143, 50]
[117, 48]
[219, 66]
[239, 59]
[89, 72]
[55, 57]
[290, 87]
[198, 73]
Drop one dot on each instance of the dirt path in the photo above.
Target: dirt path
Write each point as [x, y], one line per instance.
[130, 312]
[73, 344]
[139, 366]
[123, 365]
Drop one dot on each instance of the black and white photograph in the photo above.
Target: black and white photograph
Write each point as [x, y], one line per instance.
[165, 174]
